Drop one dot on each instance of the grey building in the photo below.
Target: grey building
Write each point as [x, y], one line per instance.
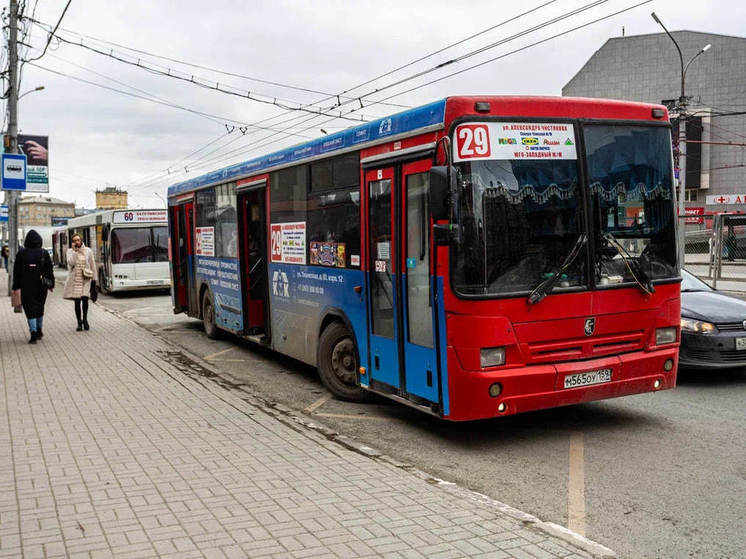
[647, 68]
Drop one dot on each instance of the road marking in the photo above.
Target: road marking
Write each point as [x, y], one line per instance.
[213, 355]
[344, 416]
[576, 485]
[318, 403]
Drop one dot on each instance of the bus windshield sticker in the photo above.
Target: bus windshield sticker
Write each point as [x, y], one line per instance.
[354, 260]
[514, 140]
[381, 266]
[288, 242]
[204, 241]
[384, 252]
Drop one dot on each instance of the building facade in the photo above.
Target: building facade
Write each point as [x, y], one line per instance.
[111, 198]
[43, 211]
[647, 68]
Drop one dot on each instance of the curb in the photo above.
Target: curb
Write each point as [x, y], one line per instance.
[290, 416]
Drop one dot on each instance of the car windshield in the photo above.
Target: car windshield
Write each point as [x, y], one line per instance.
[630, 183]
[692, 283]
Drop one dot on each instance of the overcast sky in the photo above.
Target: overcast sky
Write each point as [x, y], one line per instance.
[100, 137]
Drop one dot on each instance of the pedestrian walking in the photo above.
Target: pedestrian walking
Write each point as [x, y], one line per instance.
[33, 275]
[6, 255]
[80, 266]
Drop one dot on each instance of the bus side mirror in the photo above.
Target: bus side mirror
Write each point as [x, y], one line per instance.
[439, 193]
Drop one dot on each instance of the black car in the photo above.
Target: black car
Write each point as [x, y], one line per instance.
[713, 326]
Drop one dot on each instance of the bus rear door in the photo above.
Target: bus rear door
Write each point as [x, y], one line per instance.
[403, 355]
[182, 253]
[253, 254]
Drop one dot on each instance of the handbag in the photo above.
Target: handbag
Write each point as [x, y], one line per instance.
[87, 273]
[94, 291]
[15, 298]
[46, 282]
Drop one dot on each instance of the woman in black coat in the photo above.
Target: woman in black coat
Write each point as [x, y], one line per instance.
[32, 268]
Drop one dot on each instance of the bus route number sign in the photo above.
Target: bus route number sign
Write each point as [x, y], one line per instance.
[473, 140]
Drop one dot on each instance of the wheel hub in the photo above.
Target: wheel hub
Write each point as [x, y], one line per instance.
[343, 361]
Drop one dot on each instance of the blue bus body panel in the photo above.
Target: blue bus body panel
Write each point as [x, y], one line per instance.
[222, 275]
[301, 295]
[401, 123]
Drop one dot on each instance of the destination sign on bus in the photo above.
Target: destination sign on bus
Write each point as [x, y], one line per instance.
[514, 140]
[140, 216]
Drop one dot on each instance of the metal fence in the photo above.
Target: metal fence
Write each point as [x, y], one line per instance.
[718, 254]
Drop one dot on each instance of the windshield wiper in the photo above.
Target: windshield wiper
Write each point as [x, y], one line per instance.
[545, 287]
[633, 265]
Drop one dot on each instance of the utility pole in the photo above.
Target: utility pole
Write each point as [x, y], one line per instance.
[682, 106]
[12, 196]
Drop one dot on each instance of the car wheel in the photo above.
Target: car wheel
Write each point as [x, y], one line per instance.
[338, 364]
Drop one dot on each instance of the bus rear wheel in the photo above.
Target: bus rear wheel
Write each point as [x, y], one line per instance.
[338, 363]
[208, 317]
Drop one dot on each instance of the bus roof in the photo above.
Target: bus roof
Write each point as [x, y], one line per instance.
[427, 117]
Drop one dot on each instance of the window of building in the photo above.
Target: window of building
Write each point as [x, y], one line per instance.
[690, 195]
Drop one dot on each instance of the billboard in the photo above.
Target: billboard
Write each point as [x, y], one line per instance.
[36, 149]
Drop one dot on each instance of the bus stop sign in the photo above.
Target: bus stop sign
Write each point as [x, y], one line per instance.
[14, 171]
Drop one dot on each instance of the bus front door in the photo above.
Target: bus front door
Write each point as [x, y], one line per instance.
[181, 258]
[402, 344]
[253, 247]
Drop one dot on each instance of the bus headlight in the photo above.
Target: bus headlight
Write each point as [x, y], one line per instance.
[697, 326]
[491, 357]
[665, 335]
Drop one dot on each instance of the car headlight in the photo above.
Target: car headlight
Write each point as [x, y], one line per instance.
[697, 326]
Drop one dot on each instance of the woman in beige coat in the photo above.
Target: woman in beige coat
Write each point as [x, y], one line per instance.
[81, 269]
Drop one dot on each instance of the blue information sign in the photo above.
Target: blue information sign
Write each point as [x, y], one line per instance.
[14, 171]
[3, 213]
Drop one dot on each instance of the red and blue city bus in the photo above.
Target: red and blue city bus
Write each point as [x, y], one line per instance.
[473, 258]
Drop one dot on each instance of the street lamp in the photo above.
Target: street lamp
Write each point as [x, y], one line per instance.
[682, 137]
[39, 88]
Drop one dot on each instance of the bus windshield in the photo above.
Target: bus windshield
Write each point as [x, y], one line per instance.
[132, 245]
[631, 191]
[522, 221]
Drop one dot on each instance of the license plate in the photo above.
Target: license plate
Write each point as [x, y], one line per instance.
[740, 343]
[154, 282]
[586, 379]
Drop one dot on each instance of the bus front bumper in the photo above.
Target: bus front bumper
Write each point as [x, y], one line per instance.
[139, 285]
[538, 387]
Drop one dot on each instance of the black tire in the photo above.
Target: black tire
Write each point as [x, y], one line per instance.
[338, 364]
[101, 285]
[208, 317]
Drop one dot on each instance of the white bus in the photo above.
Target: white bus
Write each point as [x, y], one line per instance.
[130, 246]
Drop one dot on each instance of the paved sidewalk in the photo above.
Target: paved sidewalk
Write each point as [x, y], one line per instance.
[109, 448]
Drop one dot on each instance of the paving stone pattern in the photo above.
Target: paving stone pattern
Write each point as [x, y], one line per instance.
[107, 449]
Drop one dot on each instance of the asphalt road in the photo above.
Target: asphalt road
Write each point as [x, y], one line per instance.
[653, 475]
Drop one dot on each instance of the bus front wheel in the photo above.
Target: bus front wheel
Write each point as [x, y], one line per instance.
[338, 363]
[208, 317]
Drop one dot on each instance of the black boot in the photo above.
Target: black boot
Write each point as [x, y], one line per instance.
[33, 339]
[80, 326]
[39, 334]
[85, 324]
